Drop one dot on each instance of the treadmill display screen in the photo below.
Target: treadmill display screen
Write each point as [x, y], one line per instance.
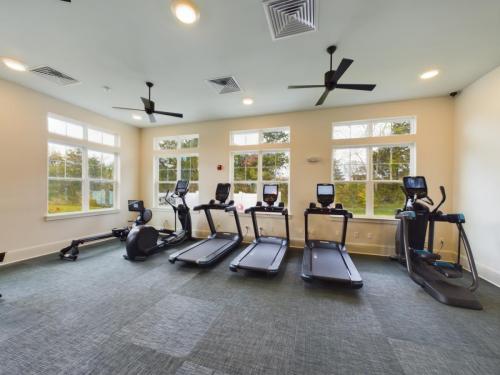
[222, 192]
[325, 189]
[271, 189]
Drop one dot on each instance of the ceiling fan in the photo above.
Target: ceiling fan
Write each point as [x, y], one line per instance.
[332, 78]
[149, 107]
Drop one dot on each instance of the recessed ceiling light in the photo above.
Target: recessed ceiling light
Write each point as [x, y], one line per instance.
[186, 11]
[429, 74]
[248, 101]
[14, 64]
[137, 117]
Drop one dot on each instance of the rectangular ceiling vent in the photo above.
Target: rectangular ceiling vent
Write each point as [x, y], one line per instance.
[291, 17]
[55, 76]
[224, 85]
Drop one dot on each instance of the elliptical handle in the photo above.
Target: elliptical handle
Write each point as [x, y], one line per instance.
[443, 199]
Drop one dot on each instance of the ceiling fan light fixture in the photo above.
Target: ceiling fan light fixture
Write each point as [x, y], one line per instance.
[137, 117]
[14, 64]
[185, 11]
[429, 74]
[247, 101]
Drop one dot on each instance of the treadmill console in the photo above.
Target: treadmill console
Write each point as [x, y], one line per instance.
[270, 194]
[222, 192]
[415, 186]
[182, 188]
[325, 194]
[135, 206]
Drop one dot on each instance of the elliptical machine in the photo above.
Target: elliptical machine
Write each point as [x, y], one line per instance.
[423, 265]
[145, 240]
[145, 215]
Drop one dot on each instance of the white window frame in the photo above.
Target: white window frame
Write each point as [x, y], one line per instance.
[178, 139]
[370, 182]
[372, 122]
[156, 169]
[261, 136]
[85, 180]
[260, 182]
[85, 146]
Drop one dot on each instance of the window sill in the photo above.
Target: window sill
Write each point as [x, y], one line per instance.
[369, 219]
[266, 215]
[52, 217]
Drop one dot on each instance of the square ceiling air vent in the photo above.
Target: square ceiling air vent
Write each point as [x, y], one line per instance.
[54, 76]
[224, 85]
[291, 17]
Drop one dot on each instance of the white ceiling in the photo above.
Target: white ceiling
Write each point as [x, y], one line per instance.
[122, 43]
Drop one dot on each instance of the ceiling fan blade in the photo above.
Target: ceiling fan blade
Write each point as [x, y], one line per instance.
[305, 86]
[152, 118]
[323, 97]
[344, 65]
[355, 86]
[180, 115]
[129, 109]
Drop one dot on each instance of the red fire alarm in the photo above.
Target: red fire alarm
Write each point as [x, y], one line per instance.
[219, 167]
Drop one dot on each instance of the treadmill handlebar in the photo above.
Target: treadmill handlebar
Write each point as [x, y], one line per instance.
[214, 206]
[269, 209]
[328, 211]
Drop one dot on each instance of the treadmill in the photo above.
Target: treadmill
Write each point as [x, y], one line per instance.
[328, 260]
[218, 244]
[265, 253]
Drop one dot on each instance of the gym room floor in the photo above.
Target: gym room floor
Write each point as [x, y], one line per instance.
[104, 315]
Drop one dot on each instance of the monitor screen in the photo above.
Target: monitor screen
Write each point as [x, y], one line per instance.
[325, 189]
[135, 206]
[182, 186]
[271, 189]
[415, 183]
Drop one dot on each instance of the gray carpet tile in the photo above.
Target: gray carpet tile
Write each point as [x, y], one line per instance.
[172, 326]
[427, 360]
[104, 315]
[190, 368]
[117, 356]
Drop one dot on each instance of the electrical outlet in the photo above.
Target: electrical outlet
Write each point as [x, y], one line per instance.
[356, 235]
[369, 236]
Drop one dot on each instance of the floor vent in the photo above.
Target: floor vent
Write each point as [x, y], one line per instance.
[55, 76]
[291, 17]
[224, 85]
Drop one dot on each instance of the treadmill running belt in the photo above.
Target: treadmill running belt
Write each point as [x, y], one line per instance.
[204, 249]
[261, 257]
[329, 264]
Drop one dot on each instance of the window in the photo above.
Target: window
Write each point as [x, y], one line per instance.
[374, 128]
[103, 138]
[79, 179]
[262, 136]
[176, 142]
[368, 178]
[251, 170]
[169, 169]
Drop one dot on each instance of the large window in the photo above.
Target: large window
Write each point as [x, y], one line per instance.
[169, 169]
[250, 170]
[368, 178]
[80, 179]
[374, 128]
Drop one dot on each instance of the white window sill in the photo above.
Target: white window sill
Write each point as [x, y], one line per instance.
[74, 215]
[267, 215]
[369, 219]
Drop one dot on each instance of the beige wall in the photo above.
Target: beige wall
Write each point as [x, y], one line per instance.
[477, 179]
[311, 136]
[23, 164]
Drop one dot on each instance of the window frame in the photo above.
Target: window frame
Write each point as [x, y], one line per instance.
[260, 182]
[370, 181]
[156, 171]
[260, 133]
[371, 122]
